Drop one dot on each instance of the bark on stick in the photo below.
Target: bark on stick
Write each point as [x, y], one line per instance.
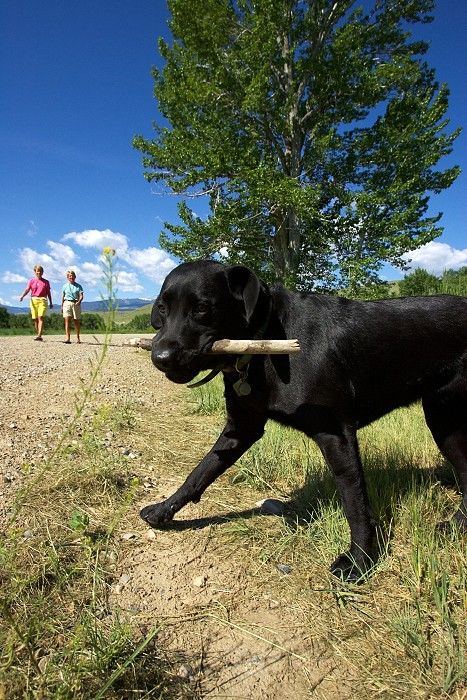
[238, 347]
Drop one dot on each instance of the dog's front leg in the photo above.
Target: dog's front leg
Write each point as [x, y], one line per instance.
[234, 440]
[342, 455]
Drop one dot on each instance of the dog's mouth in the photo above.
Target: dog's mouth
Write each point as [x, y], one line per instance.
[205, 363]
[185, 365]
[180, 375]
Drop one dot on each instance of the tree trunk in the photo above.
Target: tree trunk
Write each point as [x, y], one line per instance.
[287, 247]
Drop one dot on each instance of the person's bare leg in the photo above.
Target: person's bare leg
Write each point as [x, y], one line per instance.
[67, 328]
[40, 326]
[78, 328]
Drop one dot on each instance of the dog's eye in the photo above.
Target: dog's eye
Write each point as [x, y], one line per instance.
[161, 309]
[201, 308]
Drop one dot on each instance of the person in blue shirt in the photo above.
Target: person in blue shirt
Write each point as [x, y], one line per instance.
[72, 296]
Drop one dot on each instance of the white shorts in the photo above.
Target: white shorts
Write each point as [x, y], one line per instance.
[71, 309]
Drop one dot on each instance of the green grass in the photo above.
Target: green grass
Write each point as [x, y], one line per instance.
[58, 636]
[17, 331]
[127, 316]
[403, 631]
[119, 317]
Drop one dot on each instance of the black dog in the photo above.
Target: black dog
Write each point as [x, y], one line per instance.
[358, 361]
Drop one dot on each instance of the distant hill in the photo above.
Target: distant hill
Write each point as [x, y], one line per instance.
[15, 309]
[88, 306]
[122, 304]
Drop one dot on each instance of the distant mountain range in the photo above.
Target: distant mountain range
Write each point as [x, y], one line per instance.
[89, 306]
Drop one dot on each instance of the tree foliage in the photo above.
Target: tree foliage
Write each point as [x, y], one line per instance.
[53, 321]
[419, 283]
[454, 282]
[4, 318]
[139, 323]
[422, 283]
[313, 127]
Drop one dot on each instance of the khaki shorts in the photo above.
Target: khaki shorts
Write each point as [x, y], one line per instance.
[71, 309]
[38, 306]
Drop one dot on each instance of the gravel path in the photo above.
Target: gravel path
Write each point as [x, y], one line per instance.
[39, 382]
[240, 639]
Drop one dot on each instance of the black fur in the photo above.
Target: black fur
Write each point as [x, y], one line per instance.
[358, 361]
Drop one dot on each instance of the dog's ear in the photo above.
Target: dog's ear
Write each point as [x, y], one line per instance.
[156, 318]
[245, 286]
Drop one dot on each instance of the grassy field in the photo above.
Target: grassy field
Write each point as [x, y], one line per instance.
[127, 316]
[404, 630]
[120, 318]
[401, 633]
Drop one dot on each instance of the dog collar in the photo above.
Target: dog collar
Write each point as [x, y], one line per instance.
[241, 386]
[204, 380]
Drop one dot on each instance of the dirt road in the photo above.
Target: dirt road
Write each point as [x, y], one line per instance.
[235, 620]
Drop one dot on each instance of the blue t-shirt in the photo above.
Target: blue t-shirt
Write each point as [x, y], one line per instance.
[71, 291]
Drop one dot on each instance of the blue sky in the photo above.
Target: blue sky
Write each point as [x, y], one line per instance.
[75, 88]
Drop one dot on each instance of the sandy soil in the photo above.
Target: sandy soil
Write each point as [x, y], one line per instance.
[238, 634]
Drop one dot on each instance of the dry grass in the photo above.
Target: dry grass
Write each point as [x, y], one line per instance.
[59, 637]
[403, 632]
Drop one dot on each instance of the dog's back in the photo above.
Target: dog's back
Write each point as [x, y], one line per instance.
[387, 353]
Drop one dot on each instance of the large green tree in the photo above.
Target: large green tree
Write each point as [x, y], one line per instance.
[314, 127]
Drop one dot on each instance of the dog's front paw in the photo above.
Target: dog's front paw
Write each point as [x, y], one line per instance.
[350, 568]
[157, 514]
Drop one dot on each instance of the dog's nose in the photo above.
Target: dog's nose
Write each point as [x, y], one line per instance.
[162, 358]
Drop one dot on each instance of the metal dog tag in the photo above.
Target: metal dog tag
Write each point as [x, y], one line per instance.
[241, 387]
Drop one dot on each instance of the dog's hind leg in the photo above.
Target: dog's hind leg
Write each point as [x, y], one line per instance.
[446, 416]
[342, 455]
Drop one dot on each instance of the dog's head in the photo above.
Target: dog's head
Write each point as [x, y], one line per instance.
[199, 303]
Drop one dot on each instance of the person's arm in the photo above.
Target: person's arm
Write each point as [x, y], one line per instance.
[81, 296]
[49, 294]
[24, 293]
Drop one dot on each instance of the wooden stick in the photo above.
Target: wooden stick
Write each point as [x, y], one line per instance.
[143, 343]
[255, 347]
[237, 347]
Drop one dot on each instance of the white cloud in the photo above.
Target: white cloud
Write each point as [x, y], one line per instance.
[32, 230]
[29, 258]
[437, 257]
[55, 264]
[153, 262]
[128, 282]
[62, 252]
[12, 278]
[130, 263]
[94, 238]
[89, 273]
